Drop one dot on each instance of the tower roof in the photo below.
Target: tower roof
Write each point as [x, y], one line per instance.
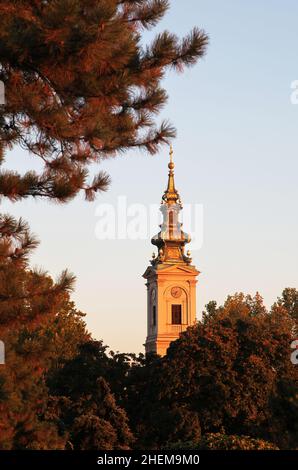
[171, 239]
[171, 195]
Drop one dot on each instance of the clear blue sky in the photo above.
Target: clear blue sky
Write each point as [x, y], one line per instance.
[236, 153]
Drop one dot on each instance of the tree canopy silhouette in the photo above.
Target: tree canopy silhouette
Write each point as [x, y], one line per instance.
[232, 371]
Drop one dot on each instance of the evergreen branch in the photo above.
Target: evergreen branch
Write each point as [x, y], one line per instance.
[100, 183]
[65, 283]
[152, 100]
[150, 14]
[192, 47]
[80, 87]
[16, 241]
[156, 137]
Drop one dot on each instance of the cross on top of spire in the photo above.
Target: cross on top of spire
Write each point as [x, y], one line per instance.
[171, 154]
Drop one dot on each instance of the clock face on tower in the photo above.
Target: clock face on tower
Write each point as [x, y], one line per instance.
[176, 292]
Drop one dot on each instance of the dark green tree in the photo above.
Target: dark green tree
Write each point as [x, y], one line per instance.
[156, 421]
[40, 328]
[217, 441]
[232, 371]
[289, 301]
[83, 402]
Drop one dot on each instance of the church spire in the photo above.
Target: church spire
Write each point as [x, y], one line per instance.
[171, 239]
[171, 195]
[171, 277]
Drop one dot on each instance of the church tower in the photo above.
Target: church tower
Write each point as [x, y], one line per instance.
[171, 278]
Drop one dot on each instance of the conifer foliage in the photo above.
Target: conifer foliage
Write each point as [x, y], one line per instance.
[80, 86]
[36, 316]
[53, 388]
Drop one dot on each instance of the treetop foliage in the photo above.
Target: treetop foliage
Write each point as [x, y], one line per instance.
[232, 372]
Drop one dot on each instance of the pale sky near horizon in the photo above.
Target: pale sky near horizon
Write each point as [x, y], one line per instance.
[236, 154]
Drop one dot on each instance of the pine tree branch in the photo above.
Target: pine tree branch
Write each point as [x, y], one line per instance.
[150, 14]
[80, 87]
[65, 283]
[100, 183]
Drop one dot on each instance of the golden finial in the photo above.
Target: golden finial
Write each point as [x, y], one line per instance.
[171, 196]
